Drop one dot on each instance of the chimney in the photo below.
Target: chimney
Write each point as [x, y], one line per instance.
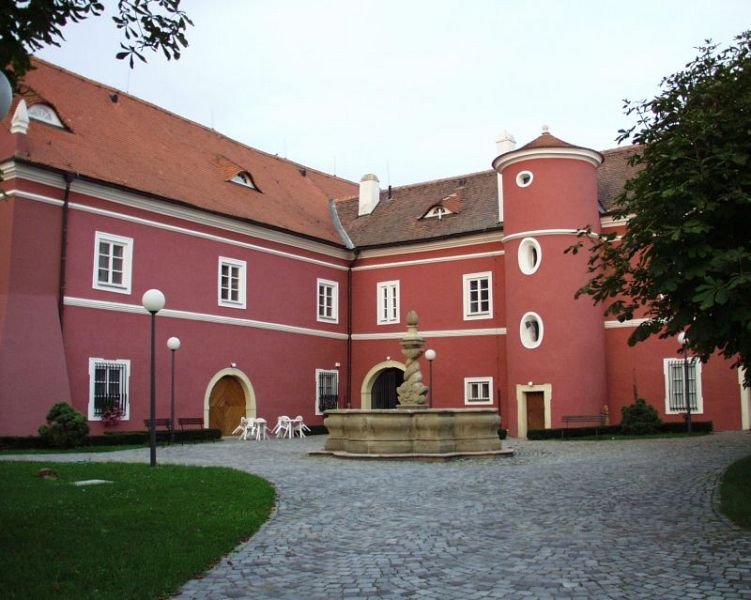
[505, 143]
[370, 194]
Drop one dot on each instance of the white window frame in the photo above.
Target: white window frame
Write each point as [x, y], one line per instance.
[673, 369]
[241, 267]
[471, 385]
[319, 373]
[468, 280]
[526, 338]
[529, 256]
[44, 113]
[124, 386]
[524, 178]
[324, 312]
[387, 302]
[127, 259]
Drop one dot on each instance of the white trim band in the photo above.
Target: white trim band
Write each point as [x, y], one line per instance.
[194, 316]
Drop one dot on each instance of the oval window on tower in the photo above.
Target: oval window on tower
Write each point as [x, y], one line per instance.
[524, 178]
[531, 330]
[529, 255]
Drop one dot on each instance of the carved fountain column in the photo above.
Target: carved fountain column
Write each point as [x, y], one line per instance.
[412, 393]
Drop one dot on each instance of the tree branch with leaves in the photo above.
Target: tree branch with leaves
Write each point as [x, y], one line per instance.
[683, 262]
[27, 26]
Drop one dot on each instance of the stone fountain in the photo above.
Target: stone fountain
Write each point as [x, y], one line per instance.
[412, 430]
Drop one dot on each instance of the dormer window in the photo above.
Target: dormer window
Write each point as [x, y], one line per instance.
[44, 113]
[244, 178]
[437, 212]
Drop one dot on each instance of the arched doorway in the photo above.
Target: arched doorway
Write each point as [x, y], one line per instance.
[383, 394]
[230, 398]
[380, 383]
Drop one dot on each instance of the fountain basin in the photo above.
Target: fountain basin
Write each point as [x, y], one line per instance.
[431, 433]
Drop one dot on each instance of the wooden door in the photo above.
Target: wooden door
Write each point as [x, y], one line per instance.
[535, 410]
[226, 404]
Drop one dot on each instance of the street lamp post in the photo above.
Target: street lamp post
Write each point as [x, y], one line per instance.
[683, 341]
[153, 301]
[430, 354]
[173, 344]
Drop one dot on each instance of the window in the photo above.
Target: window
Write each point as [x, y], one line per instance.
[327, 390]
[244, 178]
[478, 302]
[675, 387]
[388, 302]
[232, 282]
[531, 330]
[328, 301]
[108, 388]
[113, 257]
[44, 113]
[437, 212]
[477, 390]
[529, 256]
[524, 179]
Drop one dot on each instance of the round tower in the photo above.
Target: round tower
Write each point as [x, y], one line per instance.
[555, 343]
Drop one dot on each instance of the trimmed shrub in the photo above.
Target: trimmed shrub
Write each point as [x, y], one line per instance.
[572, 432]
[696, 427]
[65, 428]
[639, 418]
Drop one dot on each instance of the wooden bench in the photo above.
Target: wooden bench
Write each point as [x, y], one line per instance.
[159, 424]
[190, 421]
[183, 421]
[598, 419]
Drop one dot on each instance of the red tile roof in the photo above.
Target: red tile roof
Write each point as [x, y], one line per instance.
[546, 140]
[399, 218]
[119, 139]
[115, 138]
[613, 174]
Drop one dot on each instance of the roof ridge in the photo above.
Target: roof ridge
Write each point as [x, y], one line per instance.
[442, 180]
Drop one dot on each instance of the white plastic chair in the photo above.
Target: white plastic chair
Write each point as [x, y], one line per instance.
[260, 427]
[242, 428]
[283, 427]
[299, 427]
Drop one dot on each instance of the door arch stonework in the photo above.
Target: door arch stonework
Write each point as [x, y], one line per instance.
[229, 396]
[366, 389]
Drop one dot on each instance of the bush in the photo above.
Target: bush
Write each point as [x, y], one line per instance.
[696, 427]
[66, 427]
[639, 419]
[572, 432]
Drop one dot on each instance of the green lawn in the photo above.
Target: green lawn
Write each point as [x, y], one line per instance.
[141, 536]
[735, 493]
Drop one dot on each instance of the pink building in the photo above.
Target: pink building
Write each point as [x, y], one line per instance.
[288, 287]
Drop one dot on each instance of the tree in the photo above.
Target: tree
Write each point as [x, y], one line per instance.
[28, 25]
[684, 261]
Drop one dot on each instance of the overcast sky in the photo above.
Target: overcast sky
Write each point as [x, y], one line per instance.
[410, 90]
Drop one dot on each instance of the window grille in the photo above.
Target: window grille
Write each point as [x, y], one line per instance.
[677, 387]
[328, 390]
[477, 390]
[110, 387]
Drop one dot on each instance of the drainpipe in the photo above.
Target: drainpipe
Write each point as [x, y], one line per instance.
[69, 177]
[349, 328]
